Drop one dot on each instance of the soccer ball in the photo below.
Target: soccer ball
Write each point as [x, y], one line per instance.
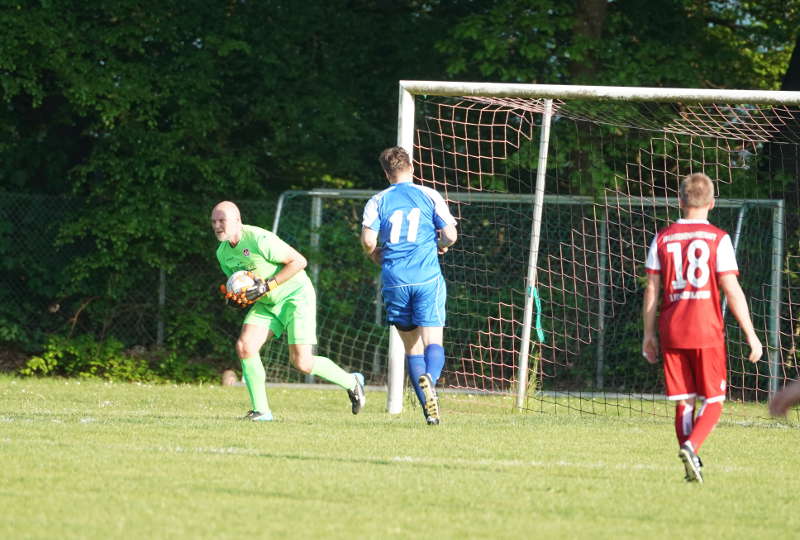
[239, 282]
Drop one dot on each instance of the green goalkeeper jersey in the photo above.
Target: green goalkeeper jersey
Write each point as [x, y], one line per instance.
[260, 251]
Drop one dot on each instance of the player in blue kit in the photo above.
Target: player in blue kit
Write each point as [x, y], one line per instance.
[404, 229]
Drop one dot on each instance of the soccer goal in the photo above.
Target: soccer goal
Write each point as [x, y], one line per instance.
[558, 191]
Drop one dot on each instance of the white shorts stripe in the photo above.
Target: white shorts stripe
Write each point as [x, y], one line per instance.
[679, 397]
[440, 313]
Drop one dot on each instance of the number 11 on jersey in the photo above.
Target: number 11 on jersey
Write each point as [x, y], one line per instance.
[397, 218]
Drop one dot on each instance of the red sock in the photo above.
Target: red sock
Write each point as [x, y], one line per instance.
[684, 422]
[707, 418]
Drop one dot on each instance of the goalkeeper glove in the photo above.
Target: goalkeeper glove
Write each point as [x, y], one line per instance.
[233, 299]
[259, 288]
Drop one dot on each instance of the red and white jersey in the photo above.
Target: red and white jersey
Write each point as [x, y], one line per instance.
[690, 255]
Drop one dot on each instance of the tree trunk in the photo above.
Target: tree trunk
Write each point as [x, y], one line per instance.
[590, 17]
[791, 79]
[785, 161]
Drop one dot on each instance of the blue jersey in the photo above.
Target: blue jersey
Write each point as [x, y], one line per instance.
[406, 217]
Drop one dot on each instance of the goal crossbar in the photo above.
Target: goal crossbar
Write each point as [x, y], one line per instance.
[618, 93]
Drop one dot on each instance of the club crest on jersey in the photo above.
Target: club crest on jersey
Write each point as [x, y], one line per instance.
[246, 252]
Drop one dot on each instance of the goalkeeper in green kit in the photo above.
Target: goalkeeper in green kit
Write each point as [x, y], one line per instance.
[282, 299]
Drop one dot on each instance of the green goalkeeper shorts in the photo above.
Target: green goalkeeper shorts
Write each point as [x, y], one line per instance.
[295, 314]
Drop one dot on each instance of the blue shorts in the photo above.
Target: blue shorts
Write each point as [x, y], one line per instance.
[421, 304]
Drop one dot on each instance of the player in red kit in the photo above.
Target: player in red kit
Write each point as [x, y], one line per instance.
[693, 260]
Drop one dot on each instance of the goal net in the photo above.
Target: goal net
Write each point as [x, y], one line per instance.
[557, 321]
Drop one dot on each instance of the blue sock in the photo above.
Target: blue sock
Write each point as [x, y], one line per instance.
[415, 364]
[434, 360]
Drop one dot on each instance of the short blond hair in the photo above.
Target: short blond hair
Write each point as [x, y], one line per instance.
[697, 190]
[394, 160]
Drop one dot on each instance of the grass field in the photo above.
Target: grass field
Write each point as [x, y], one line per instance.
[99, 460]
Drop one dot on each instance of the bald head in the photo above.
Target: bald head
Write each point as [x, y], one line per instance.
[226, 221]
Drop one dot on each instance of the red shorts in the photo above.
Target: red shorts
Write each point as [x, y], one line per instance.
[696, 373]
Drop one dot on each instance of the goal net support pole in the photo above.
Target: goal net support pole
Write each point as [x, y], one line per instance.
[773, 348]
[533, 256]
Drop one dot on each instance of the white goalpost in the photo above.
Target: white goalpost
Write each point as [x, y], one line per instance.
[559, 189]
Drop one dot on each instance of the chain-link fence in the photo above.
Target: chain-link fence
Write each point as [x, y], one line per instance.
[45, 291]
[182, 310]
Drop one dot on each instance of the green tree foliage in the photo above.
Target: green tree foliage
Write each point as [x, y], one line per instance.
[201, 97]
[681, 43]
[151, 111]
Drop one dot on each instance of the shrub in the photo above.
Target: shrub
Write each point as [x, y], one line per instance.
[85, 357]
